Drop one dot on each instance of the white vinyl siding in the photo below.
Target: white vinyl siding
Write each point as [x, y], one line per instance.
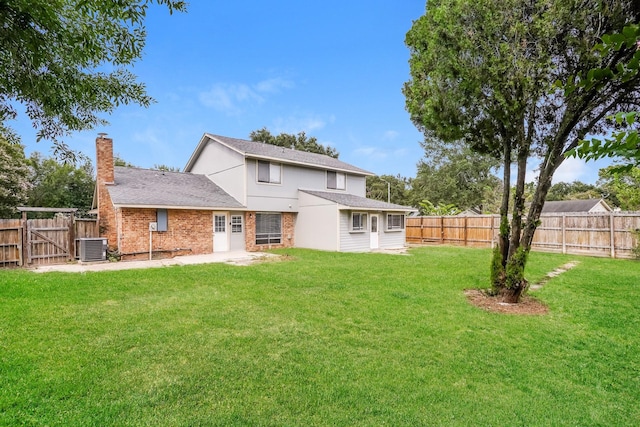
[350, 241]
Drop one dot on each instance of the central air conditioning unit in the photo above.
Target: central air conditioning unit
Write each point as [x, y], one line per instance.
[93, 249]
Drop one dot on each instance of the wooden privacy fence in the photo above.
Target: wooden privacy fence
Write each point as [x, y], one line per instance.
[601, 234]
[29, 242]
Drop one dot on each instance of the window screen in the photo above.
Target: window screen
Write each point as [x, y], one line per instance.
[336, 180]
[357, 221]
[268, 228]
[395, 222]
[263, 171]
[269, 172]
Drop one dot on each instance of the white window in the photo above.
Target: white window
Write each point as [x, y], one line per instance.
[336, 180]
[220, 224]
[269, 172]
[395, 222]
[358, 221]
[236, 224]
[268, 228]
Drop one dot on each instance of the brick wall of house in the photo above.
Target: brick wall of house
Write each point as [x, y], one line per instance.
[288, 232]
[189, 232]
[105, 176]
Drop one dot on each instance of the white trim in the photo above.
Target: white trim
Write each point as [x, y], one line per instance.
[278, 159]
[198, 208]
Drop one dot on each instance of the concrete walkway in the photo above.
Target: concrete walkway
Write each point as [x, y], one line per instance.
[235, 257]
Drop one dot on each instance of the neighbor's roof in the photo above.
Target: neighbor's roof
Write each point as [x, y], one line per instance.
[136, 187]
[261, 150]
[573, 205]
[349, 201]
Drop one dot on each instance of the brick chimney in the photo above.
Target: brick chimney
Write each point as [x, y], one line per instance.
[104, 159]
[105, 176]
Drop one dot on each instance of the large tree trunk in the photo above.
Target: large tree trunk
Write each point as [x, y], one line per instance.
[501, 251]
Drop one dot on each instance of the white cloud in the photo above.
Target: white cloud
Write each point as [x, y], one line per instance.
[232, 98]
[390, 135]
[228, 98]
[570, 170]
[295, 124]
[273, 85]
[373, 153]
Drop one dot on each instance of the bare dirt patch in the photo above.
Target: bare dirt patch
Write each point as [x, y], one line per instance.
[527, 305]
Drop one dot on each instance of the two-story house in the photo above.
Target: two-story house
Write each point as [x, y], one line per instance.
[242, 195]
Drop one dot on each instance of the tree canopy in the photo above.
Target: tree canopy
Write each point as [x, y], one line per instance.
[300, 141]
[388, 188]
[507, 77]
[453, 174]
[60, 185]
[575, 190]
[14, 178]
[622, 187]
[67, 61]
[624, 143]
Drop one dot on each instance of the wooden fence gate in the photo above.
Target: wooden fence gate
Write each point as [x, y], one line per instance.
[32, 242]
[49, 241]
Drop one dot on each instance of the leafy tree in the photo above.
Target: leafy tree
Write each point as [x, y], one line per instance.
[507, 77]
[166, 168]
[14, 178]
[60, 185]
[299, 142]
[54, 60]
[575, 190]
[622, 186]
[427, 208]
[119, 161]
[380, 187]
[453, 174]
[624, 144]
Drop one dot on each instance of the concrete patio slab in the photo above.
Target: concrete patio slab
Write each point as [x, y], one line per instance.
[234, 257]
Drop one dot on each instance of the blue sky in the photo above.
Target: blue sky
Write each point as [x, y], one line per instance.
[333, 69]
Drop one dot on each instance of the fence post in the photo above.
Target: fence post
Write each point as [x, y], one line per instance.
[26, 247]
[71, 223]
[492, 231]
[466, 232]
[421, 229]
[564, 234]
[612, 232]
[442, 230]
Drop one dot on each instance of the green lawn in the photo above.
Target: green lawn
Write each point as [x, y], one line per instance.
[321, 339]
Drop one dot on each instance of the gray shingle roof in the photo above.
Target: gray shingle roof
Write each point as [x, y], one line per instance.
[570, 206]
[357, 202]
[287, 155]
[144, 187]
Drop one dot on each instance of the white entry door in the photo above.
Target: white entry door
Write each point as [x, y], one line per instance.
[220, 233]
[373, 229]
